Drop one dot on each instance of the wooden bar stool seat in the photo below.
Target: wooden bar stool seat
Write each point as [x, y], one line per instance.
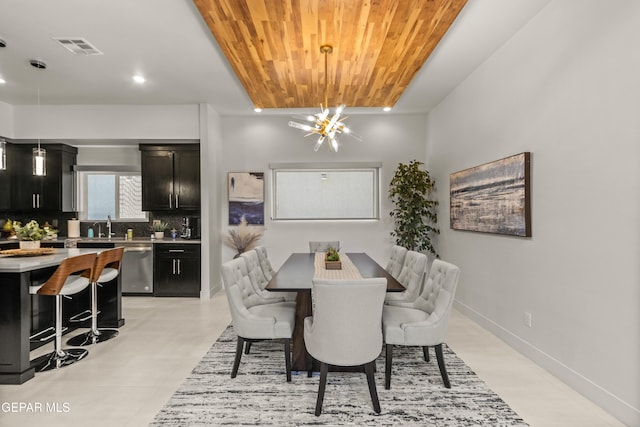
[106, 268]
[72, 276]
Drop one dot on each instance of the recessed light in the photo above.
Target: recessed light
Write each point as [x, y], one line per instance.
[257, 110]
[2, 81]
[386, 109]
[138, 78]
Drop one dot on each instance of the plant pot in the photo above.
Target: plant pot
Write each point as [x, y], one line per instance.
[333, 265]
[29, 244]
[159, 234]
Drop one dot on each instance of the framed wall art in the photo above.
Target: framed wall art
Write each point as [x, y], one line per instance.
[246, 197]
[493, 198]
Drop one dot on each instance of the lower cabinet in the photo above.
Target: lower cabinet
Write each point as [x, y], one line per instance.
[176, 270]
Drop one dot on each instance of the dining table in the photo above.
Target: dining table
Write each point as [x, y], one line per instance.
[297, 274]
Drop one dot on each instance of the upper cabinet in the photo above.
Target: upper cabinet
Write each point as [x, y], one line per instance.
[53, 192]
[170, 177]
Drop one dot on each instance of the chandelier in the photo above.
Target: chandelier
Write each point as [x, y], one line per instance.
[324, 124]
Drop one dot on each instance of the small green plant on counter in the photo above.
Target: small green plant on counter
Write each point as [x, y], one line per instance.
[159, 226]
[332, 254]
[33, 231]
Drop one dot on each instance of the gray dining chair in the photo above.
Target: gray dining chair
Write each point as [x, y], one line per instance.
[411, 277]
[252, 321]
[346, 329]
[422, 323]
[396, 260]
[269, 272]
[258, 279]
[317, 246]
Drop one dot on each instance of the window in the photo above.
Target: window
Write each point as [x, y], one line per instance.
[103, 192]
[325, 191]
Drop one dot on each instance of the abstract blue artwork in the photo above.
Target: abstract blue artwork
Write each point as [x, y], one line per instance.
[246, 197]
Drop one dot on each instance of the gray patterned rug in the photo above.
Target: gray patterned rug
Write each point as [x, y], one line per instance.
[260, 395]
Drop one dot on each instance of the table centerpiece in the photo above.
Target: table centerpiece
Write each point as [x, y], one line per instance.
[332, 259]
[31, 234]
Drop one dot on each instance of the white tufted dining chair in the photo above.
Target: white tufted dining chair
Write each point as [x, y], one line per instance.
[396, 260]
[258, 279]
[411, 277]
[253, 321]
[422, 323]
[265, 264]
[315, 246]
[345, 329]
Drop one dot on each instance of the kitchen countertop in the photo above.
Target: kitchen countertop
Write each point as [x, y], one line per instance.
[13, 264]
[115, 240]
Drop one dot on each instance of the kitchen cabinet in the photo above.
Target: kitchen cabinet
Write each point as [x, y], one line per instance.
[176, 270]
[5, 181]
[170, 177]
[53, 192]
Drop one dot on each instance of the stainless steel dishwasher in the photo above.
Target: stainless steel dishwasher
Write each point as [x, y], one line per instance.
[137, 268]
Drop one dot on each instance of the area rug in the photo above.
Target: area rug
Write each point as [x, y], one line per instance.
[260, 395]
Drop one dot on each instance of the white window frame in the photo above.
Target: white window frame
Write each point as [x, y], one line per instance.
[372, 168]
[81, 174]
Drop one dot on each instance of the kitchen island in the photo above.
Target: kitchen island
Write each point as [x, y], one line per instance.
[22, 314]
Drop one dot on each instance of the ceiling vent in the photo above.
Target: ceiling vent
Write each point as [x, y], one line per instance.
[78, 46]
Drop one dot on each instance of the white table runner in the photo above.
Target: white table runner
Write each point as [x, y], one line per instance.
[348, 271]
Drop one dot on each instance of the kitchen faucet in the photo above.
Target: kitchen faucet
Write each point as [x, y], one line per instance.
[109, 233]
[99, 229]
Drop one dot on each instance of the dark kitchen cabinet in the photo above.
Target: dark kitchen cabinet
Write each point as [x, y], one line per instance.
[53, 192]
[176, 270]
[170, 177]
[5, 180]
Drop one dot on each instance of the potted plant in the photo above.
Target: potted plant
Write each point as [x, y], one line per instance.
[332, 259]
[243, 238]
[414, 215]
[31, 234]
[158, 228]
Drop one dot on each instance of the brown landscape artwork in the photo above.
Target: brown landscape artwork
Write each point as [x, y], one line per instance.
[493, 197]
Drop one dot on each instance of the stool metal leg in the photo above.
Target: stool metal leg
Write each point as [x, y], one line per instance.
[95, 335]
[60, 357]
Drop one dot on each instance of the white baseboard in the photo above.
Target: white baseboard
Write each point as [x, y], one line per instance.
[618, 408]
[211, 291]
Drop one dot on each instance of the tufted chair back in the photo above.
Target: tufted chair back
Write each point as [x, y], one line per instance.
[265, 264]
[437, 297]
[257, 277]
[323, 246]
[412, 275]
[235, 272]
[396, 260]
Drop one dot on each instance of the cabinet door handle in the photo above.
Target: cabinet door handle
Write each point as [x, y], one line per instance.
[176, 250]
[170, 204]
[177, 204]
[38, 199]
[174, 266]
[33, 200]
[179, 270]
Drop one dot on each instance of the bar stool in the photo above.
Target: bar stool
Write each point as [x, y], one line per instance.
[106, 268]
[72, 276]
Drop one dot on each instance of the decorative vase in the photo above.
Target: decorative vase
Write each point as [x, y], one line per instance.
[159, 234]
[29, 244]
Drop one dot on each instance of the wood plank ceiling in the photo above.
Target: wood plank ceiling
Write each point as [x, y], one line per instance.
[378, 46]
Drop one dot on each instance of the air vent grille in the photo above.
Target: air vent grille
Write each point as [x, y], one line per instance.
[78, 46]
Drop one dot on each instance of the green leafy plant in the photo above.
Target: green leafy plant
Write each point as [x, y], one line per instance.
[414, 215]
[159, 226]
[33, 231]
[332, 254]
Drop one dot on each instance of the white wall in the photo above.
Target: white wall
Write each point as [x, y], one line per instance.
[107, 122]
[251, 143]
[122, 155]
[565, 88]
[6, 120]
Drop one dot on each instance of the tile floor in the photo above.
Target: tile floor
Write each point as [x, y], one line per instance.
[126, 381]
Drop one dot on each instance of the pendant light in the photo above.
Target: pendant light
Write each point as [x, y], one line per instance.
[328, 127]
[39, 154]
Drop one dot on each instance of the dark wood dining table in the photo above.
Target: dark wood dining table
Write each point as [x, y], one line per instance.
[296, 275]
